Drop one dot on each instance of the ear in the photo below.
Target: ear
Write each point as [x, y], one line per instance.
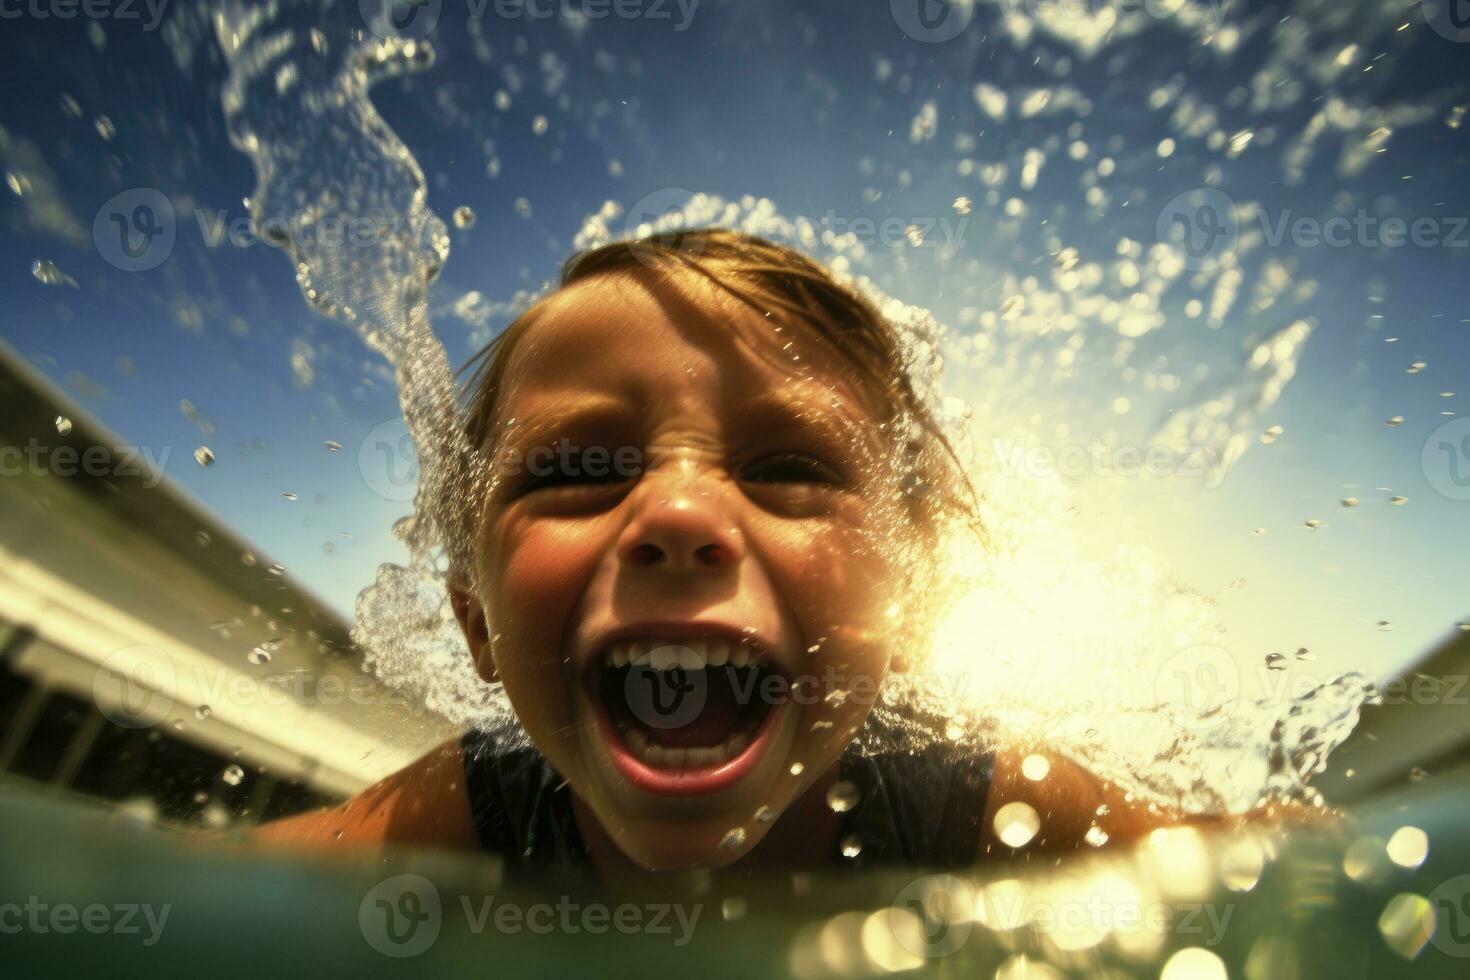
[471, 616]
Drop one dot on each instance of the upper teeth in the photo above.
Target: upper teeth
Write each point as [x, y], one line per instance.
[661, 654]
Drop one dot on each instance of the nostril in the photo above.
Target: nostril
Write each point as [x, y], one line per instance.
[710, 554]
[646, 554]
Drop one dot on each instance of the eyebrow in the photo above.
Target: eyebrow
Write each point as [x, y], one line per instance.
[781, 410]
[589, 412]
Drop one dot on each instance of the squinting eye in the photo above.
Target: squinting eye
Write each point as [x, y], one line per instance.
[790, 468]
[572, 473]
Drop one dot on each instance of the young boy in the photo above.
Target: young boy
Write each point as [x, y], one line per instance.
[713, 481]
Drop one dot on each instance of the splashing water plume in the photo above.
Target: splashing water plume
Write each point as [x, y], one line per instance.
[1039, 639]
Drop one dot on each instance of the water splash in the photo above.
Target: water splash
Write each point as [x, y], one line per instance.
[1048, 639]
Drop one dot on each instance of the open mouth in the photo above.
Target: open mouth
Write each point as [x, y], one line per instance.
[686, 716]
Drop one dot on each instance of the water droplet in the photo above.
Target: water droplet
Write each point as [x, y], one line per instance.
[277, 569]
[1407, 923]
[1395, 422]
[333, 446]
[734, 839]
[201, 797]
[464, 217]
[247, 559]
[1095, 836]
[18, 183]
[63, 425]
[288, 495]
[733, 908]
[852, 846]
[203, 538]
[1194, 963]
[1103, 810]
[1408, 847]
[1350, 501]
[1417, 774]
[1035, 767]
[204, 456]
[1275, 661]
[963, 205]
[259, 656]
[1258, 532]
[1313, 523]
[842, 796]
[540, 125]
[797, 768]
[48, 274]
[1385, 625]
[105, 128]
[1416, 367]
[203, 711]
[1272, 434]
[1304, 655]
[1397, 501]
[1016, 824]
[765, 814]
[233, 774]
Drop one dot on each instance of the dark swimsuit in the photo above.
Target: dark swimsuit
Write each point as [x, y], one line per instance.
[920, 810]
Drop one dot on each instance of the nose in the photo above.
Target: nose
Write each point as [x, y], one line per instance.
[683, 528]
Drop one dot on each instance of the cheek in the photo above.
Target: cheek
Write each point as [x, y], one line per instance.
[534, 573]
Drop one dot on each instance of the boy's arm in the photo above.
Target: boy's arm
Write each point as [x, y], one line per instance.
[423, 804]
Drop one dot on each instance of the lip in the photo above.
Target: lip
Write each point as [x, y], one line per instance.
[686, 782]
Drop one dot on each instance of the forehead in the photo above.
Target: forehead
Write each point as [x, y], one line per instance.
[630, 335]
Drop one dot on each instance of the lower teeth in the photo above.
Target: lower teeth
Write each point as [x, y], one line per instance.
[684, 758]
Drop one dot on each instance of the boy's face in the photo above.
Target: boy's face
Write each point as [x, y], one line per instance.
[684, 590]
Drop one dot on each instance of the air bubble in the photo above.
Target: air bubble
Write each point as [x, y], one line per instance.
[842, 796]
